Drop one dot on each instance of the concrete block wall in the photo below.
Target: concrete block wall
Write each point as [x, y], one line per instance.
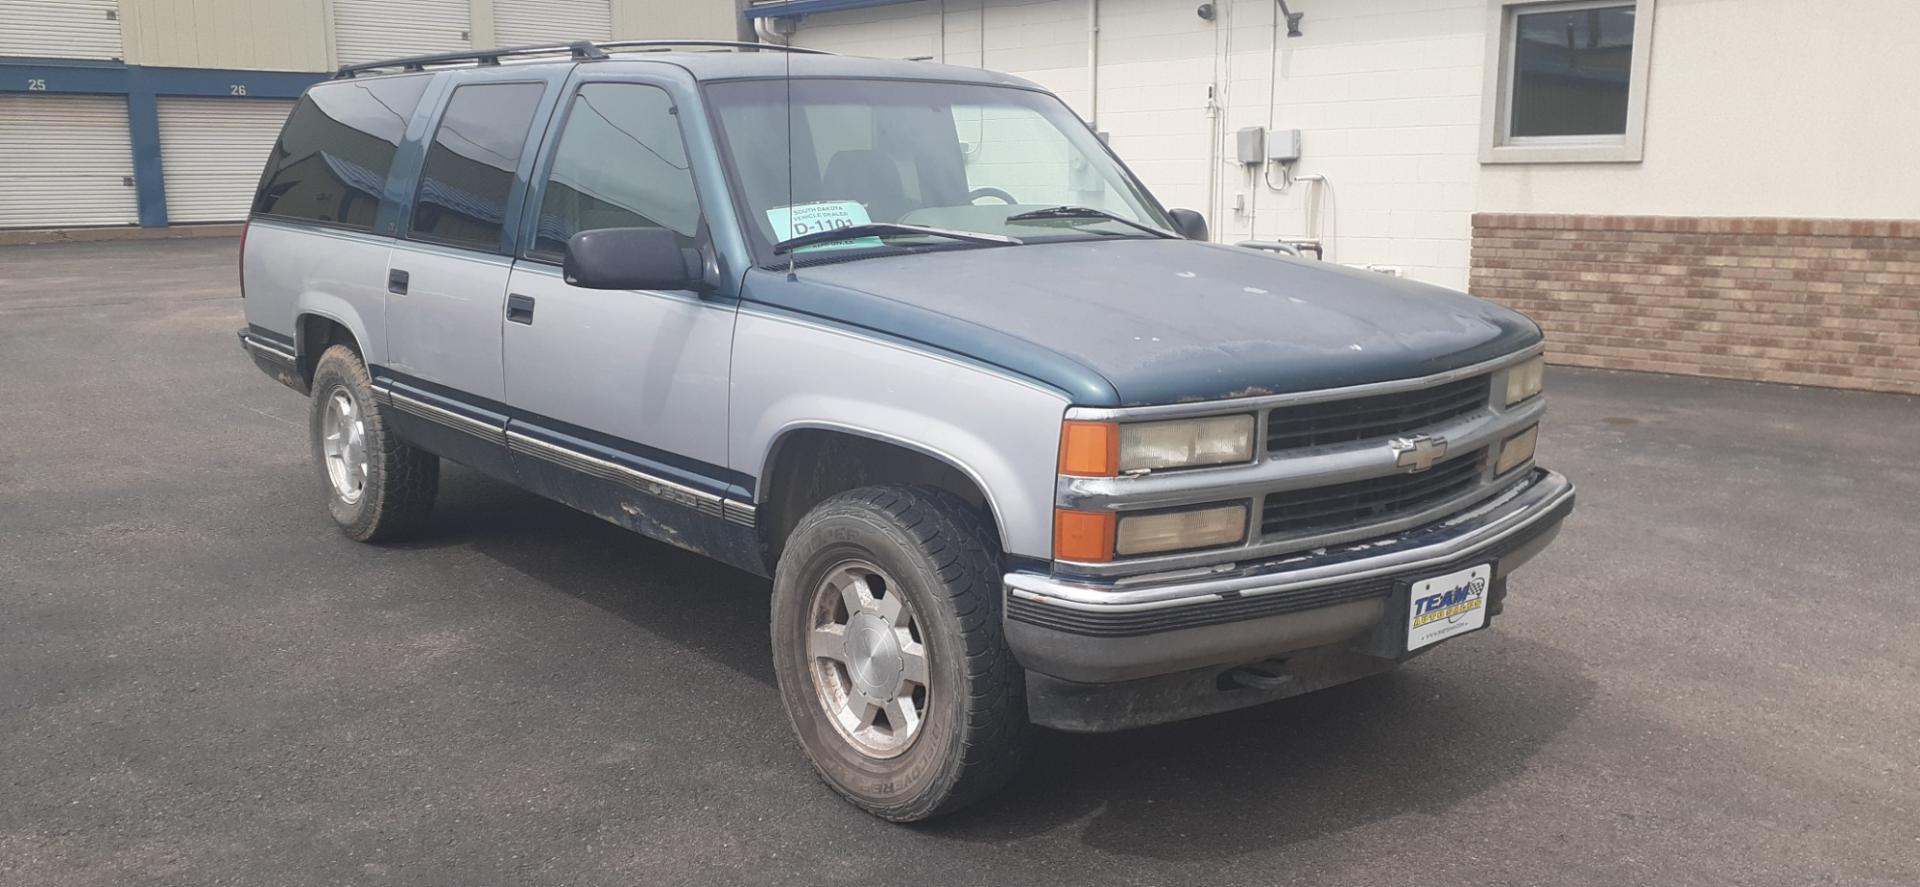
[1827, 302]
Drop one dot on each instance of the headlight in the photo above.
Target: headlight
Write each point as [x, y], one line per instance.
[1186, 443]
[1524, 380]
[1516, 451]
[1181, 530]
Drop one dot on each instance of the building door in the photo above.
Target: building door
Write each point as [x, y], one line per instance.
[68, 160]
[531, 22]
[68, 29]
[212, 151]
[376, 30]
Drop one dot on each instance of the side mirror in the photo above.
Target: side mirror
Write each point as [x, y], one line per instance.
[630, 259]
[1190, 224]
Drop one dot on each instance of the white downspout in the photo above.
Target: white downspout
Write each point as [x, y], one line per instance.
[767, 28]
[1093, 63]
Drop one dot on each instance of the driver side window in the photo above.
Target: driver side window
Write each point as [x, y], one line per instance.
[620, 163]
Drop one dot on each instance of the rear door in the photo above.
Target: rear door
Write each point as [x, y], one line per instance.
[638, 378]
[447, 275]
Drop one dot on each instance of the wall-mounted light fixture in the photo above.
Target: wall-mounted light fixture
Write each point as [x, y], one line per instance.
[1293, 19]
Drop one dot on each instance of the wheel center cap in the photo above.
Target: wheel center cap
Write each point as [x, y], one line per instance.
[873, 656]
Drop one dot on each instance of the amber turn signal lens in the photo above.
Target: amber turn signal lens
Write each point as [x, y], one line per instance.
[1516, 451]
[1090, 449]
[1085, 536]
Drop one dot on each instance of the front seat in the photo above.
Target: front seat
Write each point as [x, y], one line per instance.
[869, 177]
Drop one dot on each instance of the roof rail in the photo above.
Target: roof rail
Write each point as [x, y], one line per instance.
[722, 44]
[579, 50]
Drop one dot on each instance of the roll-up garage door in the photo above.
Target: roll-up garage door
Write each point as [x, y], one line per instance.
[527, 22]
[68, 29]
[376, 30]
[65, 160]
[212, 151]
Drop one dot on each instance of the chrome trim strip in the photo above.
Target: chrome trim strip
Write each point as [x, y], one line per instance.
[267, 349]
[440, 415]
[1288, 470]
[659, 488]
[737, 512]
[1243, 404]
[1522, 507]
[1272, 546]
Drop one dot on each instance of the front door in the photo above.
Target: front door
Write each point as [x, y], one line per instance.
[632, 379]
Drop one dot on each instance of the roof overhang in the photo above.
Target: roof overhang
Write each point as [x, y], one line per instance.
[786, 8]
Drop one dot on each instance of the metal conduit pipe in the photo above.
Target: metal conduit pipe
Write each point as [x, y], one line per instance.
[1093, 62]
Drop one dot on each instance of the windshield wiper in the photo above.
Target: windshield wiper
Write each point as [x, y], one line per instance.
[883, 229]
[1086, 212]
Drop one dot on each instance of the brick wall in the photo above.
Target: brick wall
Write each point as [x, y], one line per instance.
[1829, 302]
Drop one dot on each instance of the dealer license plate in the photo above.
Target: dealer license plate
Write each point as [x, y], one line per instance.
[1446, 606]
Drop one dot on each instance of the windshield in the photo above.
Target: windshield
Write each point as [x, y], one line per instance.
[954, 156]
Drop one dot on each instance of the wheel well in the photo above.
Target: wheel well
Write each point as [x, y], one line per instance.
[314, 334]
[811, 465]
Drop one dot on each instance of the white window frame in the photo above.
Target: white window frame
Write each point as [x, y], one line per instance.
[1498, 145]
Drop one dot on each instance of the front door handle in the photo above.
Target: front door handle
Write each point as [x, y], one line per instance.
[397, 281]
[520, 308]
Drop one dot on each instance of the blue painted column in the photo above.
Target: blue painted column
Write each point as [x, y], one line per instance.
[143, 126]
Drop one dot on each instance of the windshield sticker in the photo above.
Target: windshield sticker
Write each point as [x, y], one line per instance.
[794, 221]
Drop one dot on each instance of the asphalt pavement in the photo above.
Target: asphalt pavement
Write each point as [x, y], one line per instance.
[1712, 678]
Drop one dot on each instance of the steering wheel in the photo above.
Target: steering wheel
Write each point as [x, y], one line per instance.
[994, 193]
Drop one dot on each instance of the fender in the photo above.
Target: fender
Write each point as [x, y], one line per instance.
[999, 430]
[331, 307]
[786, 433]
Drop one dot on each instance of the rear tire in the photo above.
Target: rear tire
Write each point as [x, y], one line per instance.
[379, 488]
[888, 648]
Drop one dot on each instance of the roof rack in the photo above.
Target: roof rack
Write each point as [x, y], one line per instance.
[657, 45]
[579, 50]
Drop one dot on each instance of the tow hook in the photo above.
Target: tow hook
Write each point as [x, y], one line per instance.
[1268, 675]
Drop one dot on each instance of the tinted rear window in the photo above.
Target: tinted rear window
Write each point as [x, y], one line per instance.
[468, 176]
[333, 156]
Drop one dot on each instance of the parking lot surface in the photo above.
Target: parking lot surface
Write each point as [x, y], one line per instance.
[1709, 679]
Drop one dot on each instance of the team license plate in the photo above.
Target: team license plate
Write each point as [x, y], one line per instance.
[1449, 605]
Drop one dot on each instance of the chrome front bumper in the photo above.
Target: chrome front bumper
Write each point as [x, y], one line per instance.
[1103, 631]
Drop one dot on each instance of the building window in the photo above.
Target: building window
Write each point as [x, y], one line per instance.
[1566, 82]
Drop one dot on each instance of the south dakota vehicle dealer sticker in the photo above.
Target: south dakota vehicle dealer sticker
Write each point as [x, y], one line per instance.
[1448, 605]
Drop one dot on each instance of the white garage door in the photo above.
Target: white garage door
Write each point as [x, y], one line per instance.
[65, 160]
[527, 22]
[68, 29]
[376, 30]
[212, 151]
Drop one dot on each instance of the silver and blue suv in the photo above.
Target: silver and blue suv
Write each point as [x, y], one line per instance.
[1015, 444]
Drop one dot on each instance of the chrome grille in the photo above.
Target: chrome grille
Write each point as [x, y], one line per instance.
[1366, 418]
[1369, 501]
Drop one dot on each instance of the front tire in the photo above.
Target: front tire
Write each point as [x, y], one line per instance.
[379, 488]
[888, 648]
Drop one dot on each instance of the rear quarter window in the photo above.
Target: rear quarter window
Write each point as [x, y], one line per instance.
[331, 162]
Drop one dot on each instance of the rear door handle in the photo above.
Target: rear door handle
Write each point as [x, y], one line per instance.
[397, 281]
[520, 308]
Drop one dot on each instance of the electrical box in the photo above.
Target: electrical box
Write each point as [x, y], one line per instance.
[1253, 141]
[1283, 145]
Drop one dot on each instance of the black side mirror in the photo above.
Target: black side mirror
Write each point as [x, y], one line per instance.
[630, 259]
[1190, 224]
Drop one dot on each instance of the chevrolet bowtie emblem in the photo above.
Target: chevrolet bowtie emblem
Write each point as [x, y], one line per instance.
[1420, 452]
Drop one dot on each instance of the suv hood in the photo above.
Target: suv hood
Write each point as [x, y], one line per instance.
[1163, 321]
